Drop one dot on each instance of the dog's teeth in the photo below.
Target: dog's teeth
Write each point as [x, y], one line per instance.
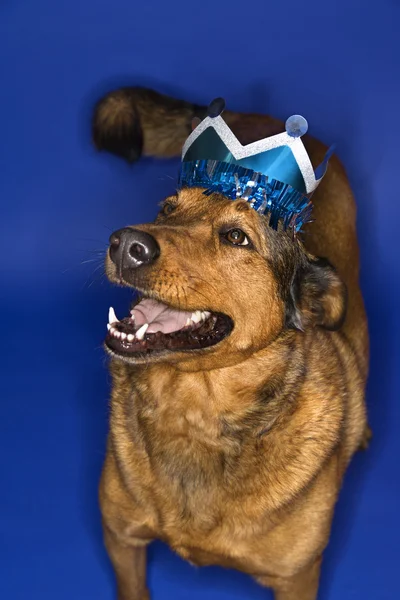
[141, 332]
[188, 322]
[108, 326]
[131, 337]
[112, 318]
[123, 336]
[206, 314]
[116, 333]
[196, 317]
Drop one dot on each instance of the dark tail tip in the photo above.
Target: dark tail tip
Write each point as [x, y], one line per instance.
[116, 126]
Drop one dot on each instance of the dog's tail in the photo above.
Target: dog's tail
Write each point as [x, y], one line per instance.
[134, 122]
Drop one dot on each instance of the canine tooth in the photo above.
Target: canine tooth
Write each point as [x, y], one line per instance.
[130, 337]
[206, 314]
[141, 332]
[123, 336]
[112, 317]
[108, 326]
[188, 322]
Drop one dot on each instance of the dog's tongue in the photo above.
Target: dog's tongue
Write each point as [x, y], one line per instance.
[159, 316]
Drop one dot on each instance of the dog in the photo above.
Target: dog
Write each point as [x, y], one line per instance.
[233, 423]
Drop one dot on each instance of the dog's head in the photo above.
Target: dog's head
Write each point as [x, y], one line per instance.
[217, 284]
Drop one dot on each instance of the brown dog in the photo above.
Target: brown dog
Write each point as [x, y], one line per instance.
[229, 438]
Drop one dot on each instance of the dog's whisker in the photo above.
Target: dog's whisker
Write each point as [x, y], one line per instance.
[100, 266]
[165, 176]
[82, 264]
[178, 297]
[94, 276]
[99, 279]
[198, 292]
[195, 278]
[89, 260]
[184, 293]
[98, 251]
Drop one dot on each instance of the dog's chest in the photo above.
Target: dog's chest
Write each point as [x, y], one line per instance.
[199, 480]
[201, 474]
[205, 526]
[213, 529]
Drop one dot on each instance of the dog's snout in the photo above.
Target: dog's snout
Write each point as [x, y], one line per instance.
[131, 248]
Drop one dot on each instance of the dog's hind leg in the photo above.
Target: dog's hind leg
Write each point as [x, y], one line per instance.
[129, 562]
[301, 586]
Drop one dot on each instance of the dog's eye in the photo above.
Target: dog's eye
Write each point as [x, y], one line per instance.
[237, 237]
[167, 209]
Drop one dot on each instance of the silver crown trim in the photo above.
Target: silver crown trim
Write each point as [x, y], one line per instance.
[275, 141]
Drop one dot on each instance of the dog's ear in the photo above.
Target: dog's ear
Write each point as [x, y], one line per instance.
[317, 297]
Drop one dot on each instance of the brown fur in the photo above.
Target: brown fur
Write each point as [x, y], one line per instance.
[235, 455]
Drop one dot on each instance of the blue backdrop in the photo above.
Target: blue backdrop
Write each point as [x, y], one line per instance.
[337, 63]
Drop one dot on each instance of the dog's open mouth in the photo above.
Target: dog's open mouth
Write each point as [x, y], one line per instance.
[154, 326]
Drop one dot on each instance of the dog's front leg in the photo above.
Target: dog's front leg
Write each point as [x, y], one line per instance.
[301, 586]
[128, 558]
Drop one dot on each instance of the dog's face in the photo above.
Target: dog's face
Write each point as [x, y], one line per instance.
[217, 284]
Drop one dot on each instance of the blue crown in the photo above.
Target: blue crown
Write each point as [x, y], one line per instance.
[274, 174]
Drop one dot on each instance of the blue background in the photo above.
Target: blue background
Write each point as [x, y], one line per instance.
[337, 63]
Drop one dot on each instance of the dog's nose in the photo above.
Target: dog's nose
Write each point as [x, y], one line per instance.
[131, 248]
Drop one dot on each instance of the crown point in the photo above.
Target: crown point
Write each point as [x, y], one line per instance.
[296, 126]
[216, 107]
